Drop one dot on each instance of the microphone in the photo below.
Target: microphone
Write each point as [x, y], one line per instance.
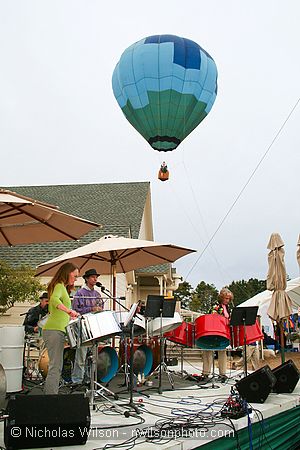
[103, 288]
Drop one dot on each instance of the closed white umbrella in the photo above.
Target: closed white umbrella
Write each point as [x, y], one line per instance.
[281, 304]
[24, 220]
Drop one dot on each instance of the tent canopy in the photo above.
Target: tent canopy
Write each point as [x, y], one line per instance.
[263, 298]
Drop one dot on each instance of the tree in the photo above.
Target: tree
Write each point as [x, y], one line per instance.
[184, 293]
[242, 290]
[17, 284]
[204, 297]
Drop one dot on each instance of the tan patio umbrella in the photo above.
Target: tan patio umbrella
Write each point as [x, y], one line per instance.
[281, 304]
[112, 255]
[27, 221]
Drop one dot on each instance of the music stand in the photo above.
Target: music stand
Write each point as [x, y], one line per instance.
[244, 316]
[160, 306]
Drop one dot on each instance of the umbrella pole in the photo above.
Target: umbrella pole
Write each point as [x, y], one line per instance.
[114, 290]
[114, 286]
[281, 341]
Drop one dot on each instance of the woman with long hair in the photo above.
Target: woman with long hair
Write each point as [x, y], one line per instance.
[54, 330]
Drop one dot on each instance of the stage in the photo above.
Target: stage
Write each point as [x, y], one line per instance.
[186, 417]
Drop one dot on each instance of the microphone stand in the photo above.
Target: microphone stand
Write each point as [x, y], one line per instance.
[128, 375]
[131, 403]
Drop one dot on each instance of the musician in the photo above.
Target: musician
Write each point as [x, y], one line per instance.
[222, 308]
[252, 358]
[35, 314]
[86, 300]
[54, 330]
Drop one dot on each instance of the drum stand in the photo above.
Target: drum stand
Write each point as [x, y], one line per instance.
[213, 385]
[125, 367]
[97, 388]
[162, 367]
[131, 377]
[31, 371]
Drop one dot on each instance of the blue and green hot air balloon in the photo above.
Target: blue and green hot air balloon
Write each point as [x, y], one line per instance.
[165, 85]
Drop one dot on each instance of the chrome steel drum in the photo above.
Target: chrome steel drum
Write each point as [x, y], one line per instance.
[165, 324]
[42, 322]
[91, 327]
[139, 323]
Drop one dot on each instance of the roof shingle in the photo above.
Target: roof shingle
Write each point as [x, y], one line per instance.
[119, 207]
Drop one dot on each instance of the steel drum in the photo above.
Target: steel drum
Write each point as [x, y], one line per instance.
[253, 334]
[139, 323]
[68, 362]
[212, 332]
[107, 364]
[142, 359]
[165, 324]
[91, 327]
[42, 322]
[146, 354]
[183, 335]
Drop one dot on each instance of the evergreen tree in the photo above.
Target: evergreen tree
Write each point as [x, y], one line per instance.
[242, 290]
[184, 294]
[204, 297]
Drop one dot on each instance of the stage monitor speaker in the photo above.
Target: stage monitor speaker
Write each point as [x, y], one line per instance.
[46, 421]
[256, 387]
[287, 376]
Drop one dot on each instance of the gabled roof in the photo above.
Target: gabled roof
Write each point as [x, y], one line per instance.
[119, 207]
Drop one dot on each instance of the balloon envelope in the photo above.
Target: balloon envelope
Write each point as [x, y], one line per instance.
[165, 85]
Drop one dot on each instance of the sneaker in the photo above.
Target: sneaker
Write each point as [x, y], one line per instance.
[203, 379]
[222, 378]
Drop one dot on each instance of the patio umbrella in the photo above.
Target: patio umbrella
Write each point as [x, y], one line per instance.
[281, 304]
[298, 251]
[27, 221]
[112, 255]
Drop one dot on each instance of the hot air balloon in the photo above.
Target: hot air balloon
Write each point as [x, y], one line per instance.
[165, 86]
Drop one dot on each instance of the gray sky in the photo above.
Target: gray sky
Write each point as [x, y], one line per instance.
[60, 123]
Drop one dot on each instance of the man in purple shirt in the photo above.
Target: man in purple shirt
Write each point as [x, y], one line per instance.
[86, 300]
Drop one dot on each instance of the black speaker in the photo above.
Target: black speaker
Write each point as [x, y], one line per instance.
[256, 387]
[287, 376]
[46, 421]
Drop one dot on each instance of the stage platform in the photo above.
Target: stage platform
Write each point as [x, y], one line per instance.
[186, 417]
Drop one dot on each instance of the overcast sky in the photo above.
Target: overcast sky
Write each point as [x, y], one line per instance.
[60, 123]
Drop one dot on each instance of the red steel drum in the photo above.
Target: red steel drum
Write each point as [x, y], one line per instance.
[183, 335]
[212, 332]
[253, 334]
